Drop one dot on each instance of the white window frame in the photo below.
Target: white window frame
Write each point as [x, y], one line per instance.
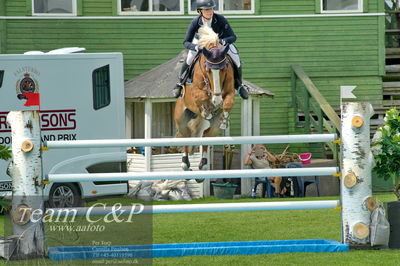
[73, 14]
[220, 11]
[151, 12]
[359, 10]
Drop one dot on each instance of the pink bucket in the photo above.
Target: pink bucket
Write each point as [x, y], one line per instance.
[305, 158]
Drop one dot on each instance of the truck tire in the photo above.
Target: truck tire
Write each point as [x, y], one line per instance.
[64, 195]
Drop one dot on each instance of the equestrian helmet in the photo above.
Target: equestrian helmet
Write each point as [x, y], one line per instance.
[205, 4]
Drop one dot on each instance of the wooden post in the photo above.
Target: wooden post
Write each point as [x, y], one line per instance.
[148, 118]
[356, 178]
[27, 196]
[246, 130]
[129, 120]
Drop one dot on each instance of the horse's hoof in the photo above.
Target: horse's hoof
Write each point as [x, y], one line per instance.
[203, 164]
[199, 180]
[185, 163]
[203, 167]
[185, 167]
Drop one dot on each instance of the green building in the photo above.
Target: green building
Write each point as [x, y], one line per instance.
[336, 42]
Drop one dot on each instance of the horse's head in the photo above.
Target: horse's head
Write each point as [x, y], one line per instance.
[216, 57]
[216, 70]
[213, 64]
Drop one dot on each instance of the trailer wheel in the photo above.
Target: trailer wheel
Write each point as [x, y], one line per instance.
[64, 195]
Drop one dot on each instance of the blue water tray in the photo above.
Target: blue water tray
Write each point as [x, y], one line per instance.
[193, 249]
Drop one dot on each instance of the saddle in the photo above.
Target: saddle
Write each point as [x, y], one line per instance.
[188, 76]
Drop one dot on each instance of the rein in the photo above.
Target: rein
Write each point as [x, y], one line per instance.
[205, 79]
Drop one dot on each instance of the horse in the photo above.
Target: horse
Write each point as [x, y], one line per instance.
[203, 109]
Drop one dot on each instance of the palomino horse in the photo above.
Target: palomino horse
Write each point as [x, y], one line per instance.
[204, 108]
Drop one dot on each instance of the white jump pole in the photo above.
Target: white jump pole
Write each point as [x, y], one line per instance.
[105, 143]
[356, 187]
[248, 173]
[188, 208]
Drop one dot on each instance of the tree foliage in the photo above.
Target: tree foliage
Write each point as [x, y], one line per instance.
[386, 149]
[5, 153]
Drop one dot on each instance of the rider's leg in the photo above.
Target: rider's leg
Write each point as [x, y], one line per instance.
[178, 88]
[241, 88]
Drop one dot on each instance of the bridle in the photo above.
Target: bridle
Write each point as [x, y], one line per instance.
[205, 78]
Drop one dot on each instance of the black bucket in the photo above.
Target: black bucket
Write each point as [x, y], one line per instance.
[393, 210]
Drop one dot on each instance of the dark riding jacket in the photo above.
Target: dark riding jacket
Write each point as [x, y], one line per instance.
[220, 26]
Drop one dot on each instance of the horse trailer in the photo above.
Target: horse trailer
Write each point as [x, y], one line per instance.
[81, 97]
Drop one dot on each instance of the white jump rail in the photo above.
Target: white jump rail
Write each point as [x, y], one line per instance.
[188, 208]
[106, 143]
[247, 173]
[356, 191]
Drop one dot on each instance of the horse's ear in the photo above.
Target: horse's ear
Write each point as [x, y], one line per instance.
[226, 50]
[206, 52]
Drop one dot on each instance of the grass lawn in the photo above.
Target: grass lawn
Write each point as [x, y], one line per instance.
[252, 225]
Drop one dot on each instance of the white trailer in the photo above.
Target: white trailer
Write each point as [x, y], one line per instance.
[82, 97]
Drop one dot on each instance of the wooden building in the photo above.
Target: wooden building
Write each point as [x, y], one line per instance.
[149, 114]
[340, 42]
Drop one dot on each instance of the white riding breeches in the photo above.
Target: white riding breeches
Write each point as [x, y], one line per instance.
[233, 53]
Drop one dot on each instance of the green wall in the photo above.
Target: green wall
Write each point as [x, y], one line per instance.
[334, 51]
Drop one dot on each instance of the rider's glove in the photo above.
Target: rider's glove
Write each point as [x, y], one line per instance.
[198, 48]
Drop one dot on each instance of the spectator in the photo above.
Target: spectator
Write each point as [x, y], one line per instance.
[260, 158]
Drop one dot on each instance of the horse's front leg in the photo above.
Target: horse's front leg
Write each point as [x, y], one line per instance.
[185, 159]
[203, 104]
[226, 108]
[224, 120]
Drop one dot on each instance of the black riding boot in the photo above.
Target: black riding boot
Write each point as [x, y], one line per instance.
[178, 88]
[242, 89]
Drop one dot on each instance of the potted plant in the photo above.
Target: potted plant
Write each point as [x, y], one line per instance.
[386, 150]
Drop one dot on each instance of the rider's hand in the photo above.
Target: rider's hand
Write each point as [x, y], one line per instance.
[222, 41]
[198, 48]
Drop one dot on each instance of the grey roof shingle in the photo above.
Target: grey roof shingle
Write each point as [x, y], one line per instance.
[159, 81]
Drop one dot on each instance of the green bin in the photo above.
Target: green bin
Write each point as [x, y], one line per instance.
[224, 191]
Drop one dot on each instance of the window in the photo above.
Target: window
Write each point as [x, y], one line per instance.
[341, 6]
[138, 7]
[54, 7]
[228, 6]
[101, 87]
[1, 77]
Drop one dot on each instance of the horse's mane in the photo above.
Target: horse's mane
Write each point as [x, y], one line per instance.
[207, 36]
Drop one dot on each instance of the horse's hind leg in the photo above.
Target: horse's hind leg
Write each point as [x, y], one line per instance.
[212, 131]
[185, 159]
[203, 165]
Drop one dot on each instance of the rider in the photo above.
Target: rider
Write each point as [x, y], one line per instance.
[227, 37]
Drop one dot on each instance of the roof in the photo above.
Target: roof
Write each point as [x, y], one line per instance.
[159, 81]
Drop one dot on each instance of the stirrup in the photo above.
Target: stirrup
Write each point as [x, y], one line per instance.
[177, 90]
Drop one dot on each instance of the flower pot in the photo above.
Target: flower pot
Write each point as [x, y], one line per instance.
[224, 191]
[393, 210]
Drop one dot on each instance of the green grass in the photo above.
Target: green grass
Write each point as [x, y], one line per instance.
[253, 225]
